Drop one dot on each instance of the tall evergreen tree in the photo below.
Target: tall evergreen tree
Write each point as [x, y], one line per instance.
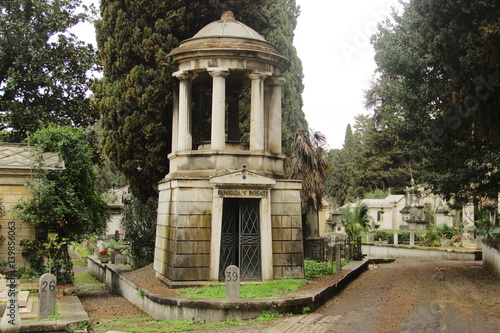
[43, 68]
[368, 161]
[439, 90]
[135, 94]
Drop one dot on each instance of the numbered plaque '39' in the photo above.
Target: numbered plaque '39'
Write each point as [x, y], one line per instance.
[232, 282]
[47, 296]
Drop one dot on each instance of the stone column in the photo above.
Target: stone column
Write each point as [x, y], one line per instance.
[184, 138]
[257, 111]
[275, 115]
[175, 122]
[218, 137]
[215, 242]
[266, 239]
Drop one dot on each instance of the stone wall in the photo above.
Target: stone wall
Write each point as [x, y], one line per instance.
[412, 252]
[184, 230]
[12, 190]
[491, 255]
[288, 252]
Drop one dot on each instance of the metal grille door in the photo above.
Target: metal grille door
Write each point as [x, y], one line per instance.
[229, 237]
[249, 240]
[240, 239]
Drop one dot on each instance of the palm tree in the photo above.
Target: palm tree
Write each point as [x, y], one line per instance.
[310, 164]
[356, 221]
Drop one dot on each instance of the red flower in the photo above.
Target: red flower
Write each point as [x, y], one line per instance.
[103, 252]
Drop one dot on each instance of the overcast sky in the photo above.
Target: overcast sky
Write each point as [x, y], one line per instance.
[332, 40]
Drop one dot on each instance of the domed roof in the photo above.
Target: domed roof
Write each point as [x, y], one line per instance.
[227, 26]
[228, 39]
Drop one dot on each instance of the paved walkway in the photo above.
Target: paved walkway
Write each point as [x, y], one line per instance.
[409, 296]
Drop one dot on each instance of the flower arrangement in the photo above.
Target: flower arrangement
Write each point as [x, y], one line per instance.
[104, 256]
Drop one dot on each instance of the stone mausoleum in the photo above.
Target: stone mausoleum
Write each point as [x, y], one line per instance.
[225, 201]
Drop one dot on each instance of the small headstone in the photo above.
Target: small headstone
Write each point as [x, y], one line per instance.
[329, 254]
[396, 238]
[232, 277]
[347, 252]
[338, 256]
[47, 296]
[412, 239]
[120, 259]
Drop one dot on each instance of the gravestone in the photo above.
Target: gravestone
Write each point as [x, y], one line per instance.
[232, 277]
[412, 239]
[396, 238]
[338, 256]
[329, 254]
[47, 296]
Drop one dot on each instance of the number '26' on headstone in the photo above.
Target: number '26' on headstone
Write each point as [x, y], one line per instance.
[47, 296]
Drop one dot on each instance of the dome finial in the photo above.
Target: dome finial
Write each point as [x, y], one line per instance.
[227, 16]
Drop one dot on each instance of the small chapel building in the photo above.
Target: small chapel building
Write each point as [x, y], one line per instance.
[225, 200]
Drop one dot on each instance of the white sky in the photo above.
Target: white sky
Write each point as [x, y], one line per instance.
[332, 40]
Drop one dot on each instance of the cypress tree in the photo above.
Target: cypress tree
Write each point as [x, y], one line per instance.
[135, 93]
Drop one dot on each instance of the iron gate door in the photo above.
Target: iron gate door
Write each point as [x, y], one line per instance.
[240, 239]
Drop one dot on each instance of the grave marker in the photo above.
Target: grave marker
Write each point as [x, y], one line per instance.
[232, 277]
[338, 257]
[47, 296]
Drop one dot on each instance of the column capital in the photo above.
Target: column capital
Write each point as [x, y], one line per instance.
[183, 75]
[257, 75]
[276, 81]
[218, 71]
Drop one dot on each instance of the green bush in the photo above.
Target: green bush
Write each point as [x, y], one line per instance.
[314, 268]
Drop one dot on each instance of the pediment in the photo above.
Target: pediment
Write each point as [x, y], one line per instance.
[241, 178]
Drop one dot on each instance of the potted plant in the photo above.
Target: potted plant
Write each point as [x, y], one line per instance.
[104, 256]
[446, 233]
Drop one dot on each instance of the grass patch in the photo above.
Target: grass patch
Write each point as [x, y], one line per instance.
[139, 323]
[272, 288]
[85, 282]
[313, 268]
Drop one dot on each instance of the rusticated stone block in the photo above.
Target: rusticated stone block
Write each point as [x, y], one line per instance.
[198, 260]
[277, 247]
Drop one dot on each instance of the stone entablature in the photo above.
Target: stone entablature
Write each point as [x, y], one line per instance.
[209, 163]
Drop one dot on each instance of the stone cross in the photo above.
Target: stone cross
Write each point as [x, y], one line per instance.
[232, 277]
[47, 296]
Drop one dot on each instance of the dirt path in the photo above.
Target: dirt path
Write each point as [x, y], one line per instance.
[412, 296]
[407, 296]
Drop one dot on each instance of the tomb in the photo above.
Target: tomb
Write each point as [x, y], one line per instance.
[226, 201]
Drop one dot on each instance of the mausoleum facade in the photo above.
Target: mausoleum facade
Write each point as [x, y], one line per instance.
[225, 200]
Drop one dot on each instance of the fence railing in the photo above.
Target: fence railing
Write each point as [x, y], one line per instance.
[316, 248]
